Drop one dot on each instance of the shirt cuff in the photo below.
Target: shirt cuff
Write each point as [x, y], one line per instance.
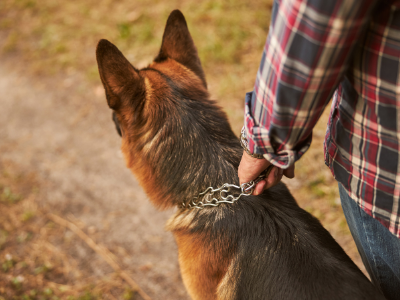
[259, 141]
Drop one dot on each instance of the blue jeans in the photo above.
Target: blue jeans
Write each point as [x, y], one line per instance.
[378, 248]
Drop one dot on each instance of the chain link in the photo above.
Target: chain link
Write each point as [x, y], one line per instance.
[224, 193]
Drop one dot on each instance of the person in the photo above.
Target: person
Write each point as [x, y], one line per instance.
[348, 50]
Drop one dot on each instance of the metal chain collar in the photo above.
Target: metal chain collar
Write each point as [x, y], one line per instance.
[225, 194]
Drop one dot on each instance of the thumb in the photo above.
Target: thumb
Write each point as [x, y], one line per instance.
[289, 172]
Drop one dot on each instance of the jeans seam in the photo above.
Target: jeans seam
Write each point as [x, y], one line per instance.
[370, 248]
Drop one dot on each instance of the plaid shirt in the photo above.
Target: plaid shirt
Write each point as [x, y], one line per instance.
[348, 49]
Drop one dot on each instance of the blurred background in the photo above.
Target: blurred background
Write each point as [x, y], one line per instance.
[74, 223]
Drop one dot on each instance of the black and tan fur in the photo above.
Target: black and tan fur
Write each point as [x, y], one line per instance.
[178, 142]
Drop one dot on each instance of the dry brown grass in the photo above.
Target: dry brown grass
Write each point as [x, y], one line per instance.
[35, 256]
[51, 37]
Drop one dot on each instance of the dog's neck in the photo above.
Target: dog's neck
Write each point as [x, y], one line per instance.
[200, 151]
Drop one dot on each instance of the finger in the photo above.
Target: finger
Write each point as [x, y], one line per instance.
[289, 172]
[259, 188]
[274, 177]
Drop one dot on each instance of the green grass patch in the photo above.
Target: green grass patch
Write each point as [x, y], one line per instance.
[27, 215]
[7, 196]
[3, 237]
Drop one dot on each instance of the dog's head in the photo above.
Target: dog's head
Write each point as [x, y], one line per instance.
[162, 112]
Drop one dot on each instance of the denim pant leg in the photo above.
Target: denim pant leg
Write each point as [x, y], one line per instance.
[378, 248]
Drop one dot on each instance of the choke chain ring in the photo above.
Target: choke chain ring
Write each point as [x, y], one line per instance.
[225, 194]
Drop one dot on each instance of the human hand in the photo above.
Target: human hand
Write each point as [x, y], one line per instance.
[251, 167]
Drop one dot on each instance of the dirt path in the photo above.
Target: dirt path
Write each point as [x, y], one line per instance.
[61, 129]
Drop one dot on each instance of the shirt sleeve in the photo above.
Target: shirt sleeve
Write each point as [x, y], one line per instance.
[307, 52]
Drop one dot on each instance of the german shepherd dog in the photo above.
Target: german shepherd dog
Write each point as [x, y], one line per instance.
[178, 142]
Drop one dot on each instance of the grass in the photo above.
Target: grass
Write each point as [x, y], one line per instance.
[64, 35]
[50, 37]
[35, 256]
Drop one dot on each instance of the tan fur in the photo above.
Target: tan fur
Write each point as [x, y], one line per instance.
[202, 269]
[178, 72]
[226, 287]
[203, 264]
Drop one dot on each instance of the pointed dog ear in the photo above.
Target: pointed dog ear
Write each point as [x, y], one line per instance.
[120, 79]
[178, 44]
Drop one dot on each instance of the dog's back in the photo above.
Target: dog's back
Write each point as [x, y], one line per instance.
[178, 142]
[270, 249]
